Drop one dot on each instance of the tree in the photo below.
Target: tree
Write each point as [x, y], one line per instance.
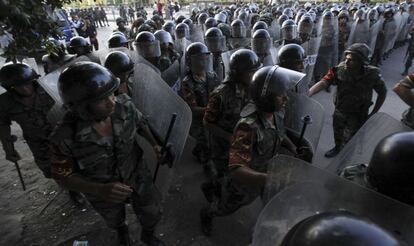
[30, 22]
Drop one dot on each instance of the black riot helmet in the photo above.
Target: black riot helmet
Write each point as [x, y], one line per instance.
[305, 27]
[343, 14]
[179, 19]
[169, 26]
[243, 61]
[145, 28]
[85, 82]
[202, 18]
[339, 228]
[120, 20]
[214, 39]
[147, 45]
[292, 56]
[225, 29]
[118, 63]
[182, 31]
[289, 30]
[220, 18]
[164, 37]
[259, 25]
[152, 24]
[391, 169]
[210, 22]
[158, 20]
[79, 45]
[261, 42]
[282, 19]
[269, 83]
[238, 29]
[15, 74]
[117, 40]
[197, 56]
[189, 23]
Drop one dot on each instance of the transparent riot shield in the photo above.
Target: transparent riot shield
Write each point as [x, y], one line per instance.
[404, 26]
[328, 48]
[274, 30]
[225, 56]
[359, 32]
[155, 99]
[181, 44]
[197, 33]
[391, 32]
[373, 33]
[2, 62]
[361, 146]
[327, 193]
[32, 63]
[304, 116]
[172, 74]
[311, 48]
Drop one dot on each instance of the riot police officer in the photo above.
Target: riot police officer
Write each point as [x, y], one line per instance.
[223, 112]
[121, 65]
[355, 80]
[148, 47]
[94, 151]
[261, 44]
[120, 22]
[292, 56]
[80, 46]
[390, 171]
[238, 35]
[26, 103]
[289, 33]
[196, 88]
[168, 54]
[249, 154]
[215, 41]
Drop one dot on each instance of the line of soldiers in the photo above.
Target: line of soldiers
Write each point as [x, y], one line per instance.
[95, 15]
[241, 76]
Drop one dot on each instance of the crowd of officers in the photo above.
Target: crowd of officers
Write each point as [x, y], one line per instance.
[238, 106]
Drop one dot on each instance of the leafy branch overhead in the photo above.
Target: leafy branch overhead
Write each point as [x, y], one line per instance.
[30, 22]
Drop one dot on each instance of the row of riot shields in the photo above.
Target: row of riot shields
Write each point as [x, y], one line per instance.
[296, 189]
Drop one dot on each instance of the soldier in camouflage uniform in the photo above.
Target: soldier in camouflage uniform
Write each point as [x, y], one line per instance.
[120, 22]
[344, 30]
[80, 47]
[26, 103]
[355, 80]
[404, 91]
[409, 55]
[223, 113]
[390, 170]
[195, 89]
[56, 56]
[257, 138]
[94, 150]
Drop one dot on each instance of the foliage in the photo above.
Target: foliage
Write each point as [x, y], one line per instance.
[30, 22]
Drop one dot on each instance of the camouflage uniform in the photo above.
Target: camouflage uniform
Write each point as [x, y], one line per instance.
[78, 149]
[223, 110]
[410, 52]
[33, 121]
[408, 115]
[196, 94]
[343, 35]
[353, 99]
[255, 142]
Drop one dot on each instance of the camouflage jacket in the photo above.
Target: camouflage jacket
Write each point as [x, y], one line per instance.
[408, 115]
[196, 92]
[32, 119]
[76, 147]
[354, 94]
[225, 105]
[255, 140]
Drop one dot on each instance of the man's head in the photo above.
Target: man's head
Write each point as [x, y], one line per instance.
[243, 64]
[18, 78]
[356, 56]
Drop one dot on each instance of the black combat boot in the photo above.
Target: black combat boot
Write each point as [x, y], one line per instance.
[333, 152]
[206, 222]
[405, 73]
[150, 239]
[123, 236]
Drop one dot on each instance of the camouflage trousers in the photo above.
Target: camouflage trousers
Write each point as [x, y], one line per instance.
[345, 125]
[233, 197]
[200, 134]
[40, 151]
[145, 201]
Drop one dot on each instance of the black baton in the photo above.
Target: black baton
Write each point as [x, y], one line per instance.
[306, 121]
[20, 175]
[164, 145]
